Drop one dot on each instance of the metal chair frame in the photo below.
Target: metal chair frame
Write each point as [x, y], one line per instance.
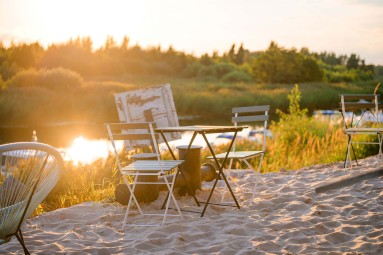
[144, 131]
[365, 103]
[249, 114]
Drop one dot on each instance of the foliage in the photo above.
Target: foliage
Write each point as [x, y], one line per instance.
[82, 183]
[56, 95]
[279, 65]
[58, 79]
[296, 133]
[275, 65]
[2, 83]
[299, 140]
[93, 101]
[339, 73]
[236, 76]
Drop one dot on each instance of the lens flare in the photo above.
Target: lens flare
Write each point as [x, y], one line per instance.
[87, 151]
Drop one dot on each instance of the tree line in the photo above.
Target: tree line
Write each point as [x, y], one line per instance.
[276, 64]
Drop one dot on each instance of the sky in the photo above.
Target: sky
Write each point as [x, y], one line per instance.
[202, 26]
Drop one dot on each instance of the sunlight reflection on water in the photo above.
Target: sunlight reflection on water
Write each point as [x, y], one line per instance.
[86, 151]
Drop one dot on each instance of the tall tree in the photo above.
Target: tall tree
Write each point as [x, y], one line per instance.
[353, 61]
[240, 56]
[231, 53]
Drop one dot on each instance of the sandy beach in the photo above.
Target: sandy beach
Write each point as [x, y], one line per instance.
[287, 217]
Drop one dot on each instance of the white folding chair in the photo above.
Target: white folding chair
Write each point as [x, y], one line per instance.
[365, 111]
[253, 115]
[137, 172]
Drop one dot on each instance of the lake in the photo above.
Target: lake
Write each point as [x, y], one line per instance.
[78, 142]
[85, 142]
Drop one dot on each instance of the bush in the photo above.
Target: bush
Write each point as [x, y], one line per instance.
[299, 140]
[223, 68]
[207, 71]
[58, 79]
[237, 76]
[2, 83]
[191, 70]
[345, 76]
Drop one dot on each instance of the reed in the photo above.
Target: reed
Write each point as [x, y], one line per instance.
[82, 183]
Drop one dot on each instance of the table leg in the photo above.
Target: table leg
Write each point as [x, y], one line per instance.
[167, 145]
[220, 172]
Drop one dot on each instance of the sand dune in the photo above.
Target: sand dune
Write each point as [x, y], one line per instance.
[287, 217]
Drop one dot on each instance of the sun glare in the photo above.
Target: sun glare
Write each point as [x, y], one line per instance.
[86, 151]
[59, 21]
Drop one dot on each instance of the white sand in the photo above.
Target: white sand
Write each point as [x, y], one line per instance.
[286, 218]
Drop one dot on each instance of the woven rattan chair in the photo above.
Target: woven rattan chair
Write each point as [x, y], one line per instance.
[29, 171]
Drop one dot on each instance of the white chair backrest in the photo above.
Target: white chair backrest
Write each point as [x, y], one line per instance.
[360, 103]
[252, 114]
[134, 133]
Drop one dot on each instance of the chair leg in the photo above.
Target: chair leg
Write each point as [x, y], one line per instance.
[257, 173]
[165, 201]
[190, 190]
[171, 197]
[229, 178]
[353, 152]
[380, 140]
[259, 169]
[258, 176]
[349, 146]
[347, 152]
[19, 237]
[132, 198]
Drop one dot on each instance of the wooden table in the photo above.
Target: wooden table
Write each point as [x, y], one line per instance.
[204, 130]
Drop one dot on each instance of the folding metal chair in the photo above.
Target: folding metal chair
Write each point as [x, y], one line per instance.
[253, 115]
[143, 172]
[368, 107]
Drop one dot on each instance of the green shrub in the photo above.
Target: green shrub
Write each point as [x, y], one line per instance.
[58, 79]
[299, 140]
[223, 68]
[191, 70]
[340, 76]
[237, 76]
[207, 71]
